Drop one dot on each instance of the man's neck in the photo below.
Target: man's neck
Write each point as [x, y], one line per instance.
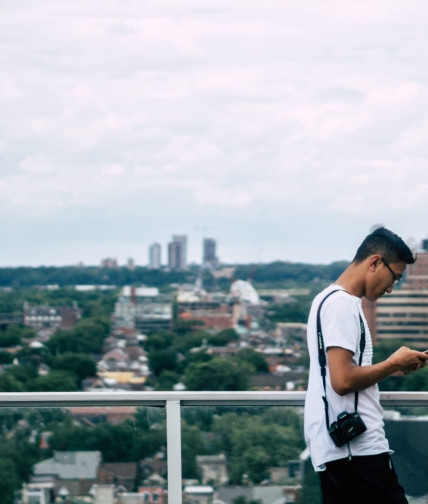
[352, 280]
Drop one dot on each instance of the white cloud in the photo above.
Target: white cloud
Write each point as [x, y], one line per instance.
[235, 108]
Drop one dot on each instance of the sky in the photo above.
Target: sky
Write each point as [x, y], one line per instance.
[283, 129]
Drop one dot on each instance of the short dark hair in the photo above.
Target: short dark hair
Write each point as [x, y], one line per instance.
[386, 243]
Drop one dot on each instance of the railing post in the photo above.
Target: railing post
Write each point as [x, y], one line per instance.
[173, 439]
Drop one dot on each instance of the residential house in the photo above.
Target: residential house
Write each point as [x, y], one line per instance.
[74, 471]
[213, 469]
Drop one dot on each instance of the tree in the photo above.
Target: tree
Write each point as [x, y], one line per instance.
[78, 363]
[167, 379]
[160, 340]
[310, 493]
[224, 337]
[85, 337]
[9, 480]
[192, 445]
[255, 359]
[255, 442]
[8, 383]
[162, 360]
[55, 381]
[6, 358]
[10, 337]
[217, 374]
[292, 311]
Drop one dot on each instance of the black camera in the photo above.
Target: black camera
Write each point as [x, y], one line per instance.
[347, 427]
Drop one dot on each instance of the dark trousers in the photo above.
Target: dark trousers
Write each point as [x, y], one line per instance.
[369, 479]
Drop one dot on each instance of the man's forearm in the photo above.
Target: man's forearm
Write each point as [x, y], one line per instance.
[347, 377]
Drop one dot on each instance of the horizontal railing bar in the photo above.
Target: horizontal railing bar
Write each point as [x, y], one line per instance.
[259, 398]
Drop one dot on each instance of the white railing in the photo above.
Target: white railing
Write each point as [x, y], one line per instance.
[172, 402]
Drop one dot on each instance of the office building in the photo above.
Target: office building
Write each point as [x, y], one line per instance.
[403, 315]
[417, 273]
[143, 309]
[209, 257]
[109, 262]
[177, 252]
[155, 258]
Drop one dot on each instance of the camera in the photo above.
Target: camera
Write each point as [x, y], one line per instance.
[347, 427]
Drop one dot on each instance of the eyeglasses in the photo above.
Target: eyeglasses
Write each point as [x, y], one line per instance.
[396, 277]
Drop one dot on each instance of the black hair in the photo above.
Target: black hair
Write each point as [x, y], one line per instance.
[387, 244]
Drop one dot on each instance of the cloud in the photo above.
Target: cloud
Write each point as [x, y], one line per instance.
[223, 111]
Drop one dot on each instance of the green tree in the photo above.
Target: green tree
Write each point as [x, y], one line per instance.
[6, 358]
[55, 381]
[224, 337]
[8, 383]
[10, 337]
[9, 480]
[85, 337]
[255, 442]
[161, 340]
[78, 363]
[255, 359]
[310, 493]
[192, 445]
[292, 311]
[217, 374]
[23, 373]
[167, 379]
[162, 360]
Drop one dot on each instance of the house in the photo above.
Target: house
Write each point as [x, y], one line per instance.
[153, 494]
[198, 494]
[213, 469]
[153, 471]
[74, 471]
[51, 317]
[118, 473]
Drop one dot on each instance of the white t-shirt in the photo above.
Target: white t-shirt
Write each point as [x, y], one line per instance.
[340, 325]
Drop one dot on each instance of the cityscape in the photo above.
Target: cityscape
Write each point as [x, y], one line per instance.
[178, 181]
[179, 327]
[177, 256]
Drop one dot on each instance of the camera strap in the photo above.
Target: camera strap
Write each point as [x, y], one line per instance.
[322, 359]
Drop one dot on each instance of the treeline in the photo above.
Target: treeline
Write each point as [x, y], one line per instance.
[276, 273]
[253, 439]
[279, 272]
[91, 275]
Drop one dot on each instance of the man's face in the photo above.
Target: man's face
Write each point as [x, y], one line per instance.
[385, 277]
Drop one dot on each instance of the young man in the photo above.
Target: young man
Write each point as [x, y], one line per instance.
[360, 470]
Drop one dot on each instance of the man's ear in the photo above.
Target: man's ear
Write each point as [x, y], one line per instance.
[374, 261]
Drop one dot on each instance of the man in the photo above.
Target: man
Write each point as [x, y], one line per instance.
[361, 470]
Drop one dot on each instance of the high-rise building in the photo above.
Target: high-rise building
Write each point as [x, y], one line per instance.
[143, 309]
[403, 315]
[209, 257]
[417, 273]
[177, 252]
[109, 262]
[130, 263]
[155, 256]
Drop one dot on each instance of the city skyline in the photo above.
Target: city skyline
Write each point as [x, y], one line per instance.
[282, 129]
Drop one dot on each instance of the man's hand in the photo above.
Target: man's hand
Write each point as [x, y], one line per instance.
[347, 377]
[406, 360]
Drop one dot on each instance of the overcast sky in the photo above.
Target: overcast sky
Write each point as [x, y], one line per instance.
[283, 129]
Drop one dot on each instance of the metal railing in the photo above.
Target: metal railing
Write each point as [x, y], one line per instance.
[172, 402]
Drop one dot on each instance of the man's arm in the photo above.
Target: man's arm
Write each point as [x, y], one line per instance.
[347, 377]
